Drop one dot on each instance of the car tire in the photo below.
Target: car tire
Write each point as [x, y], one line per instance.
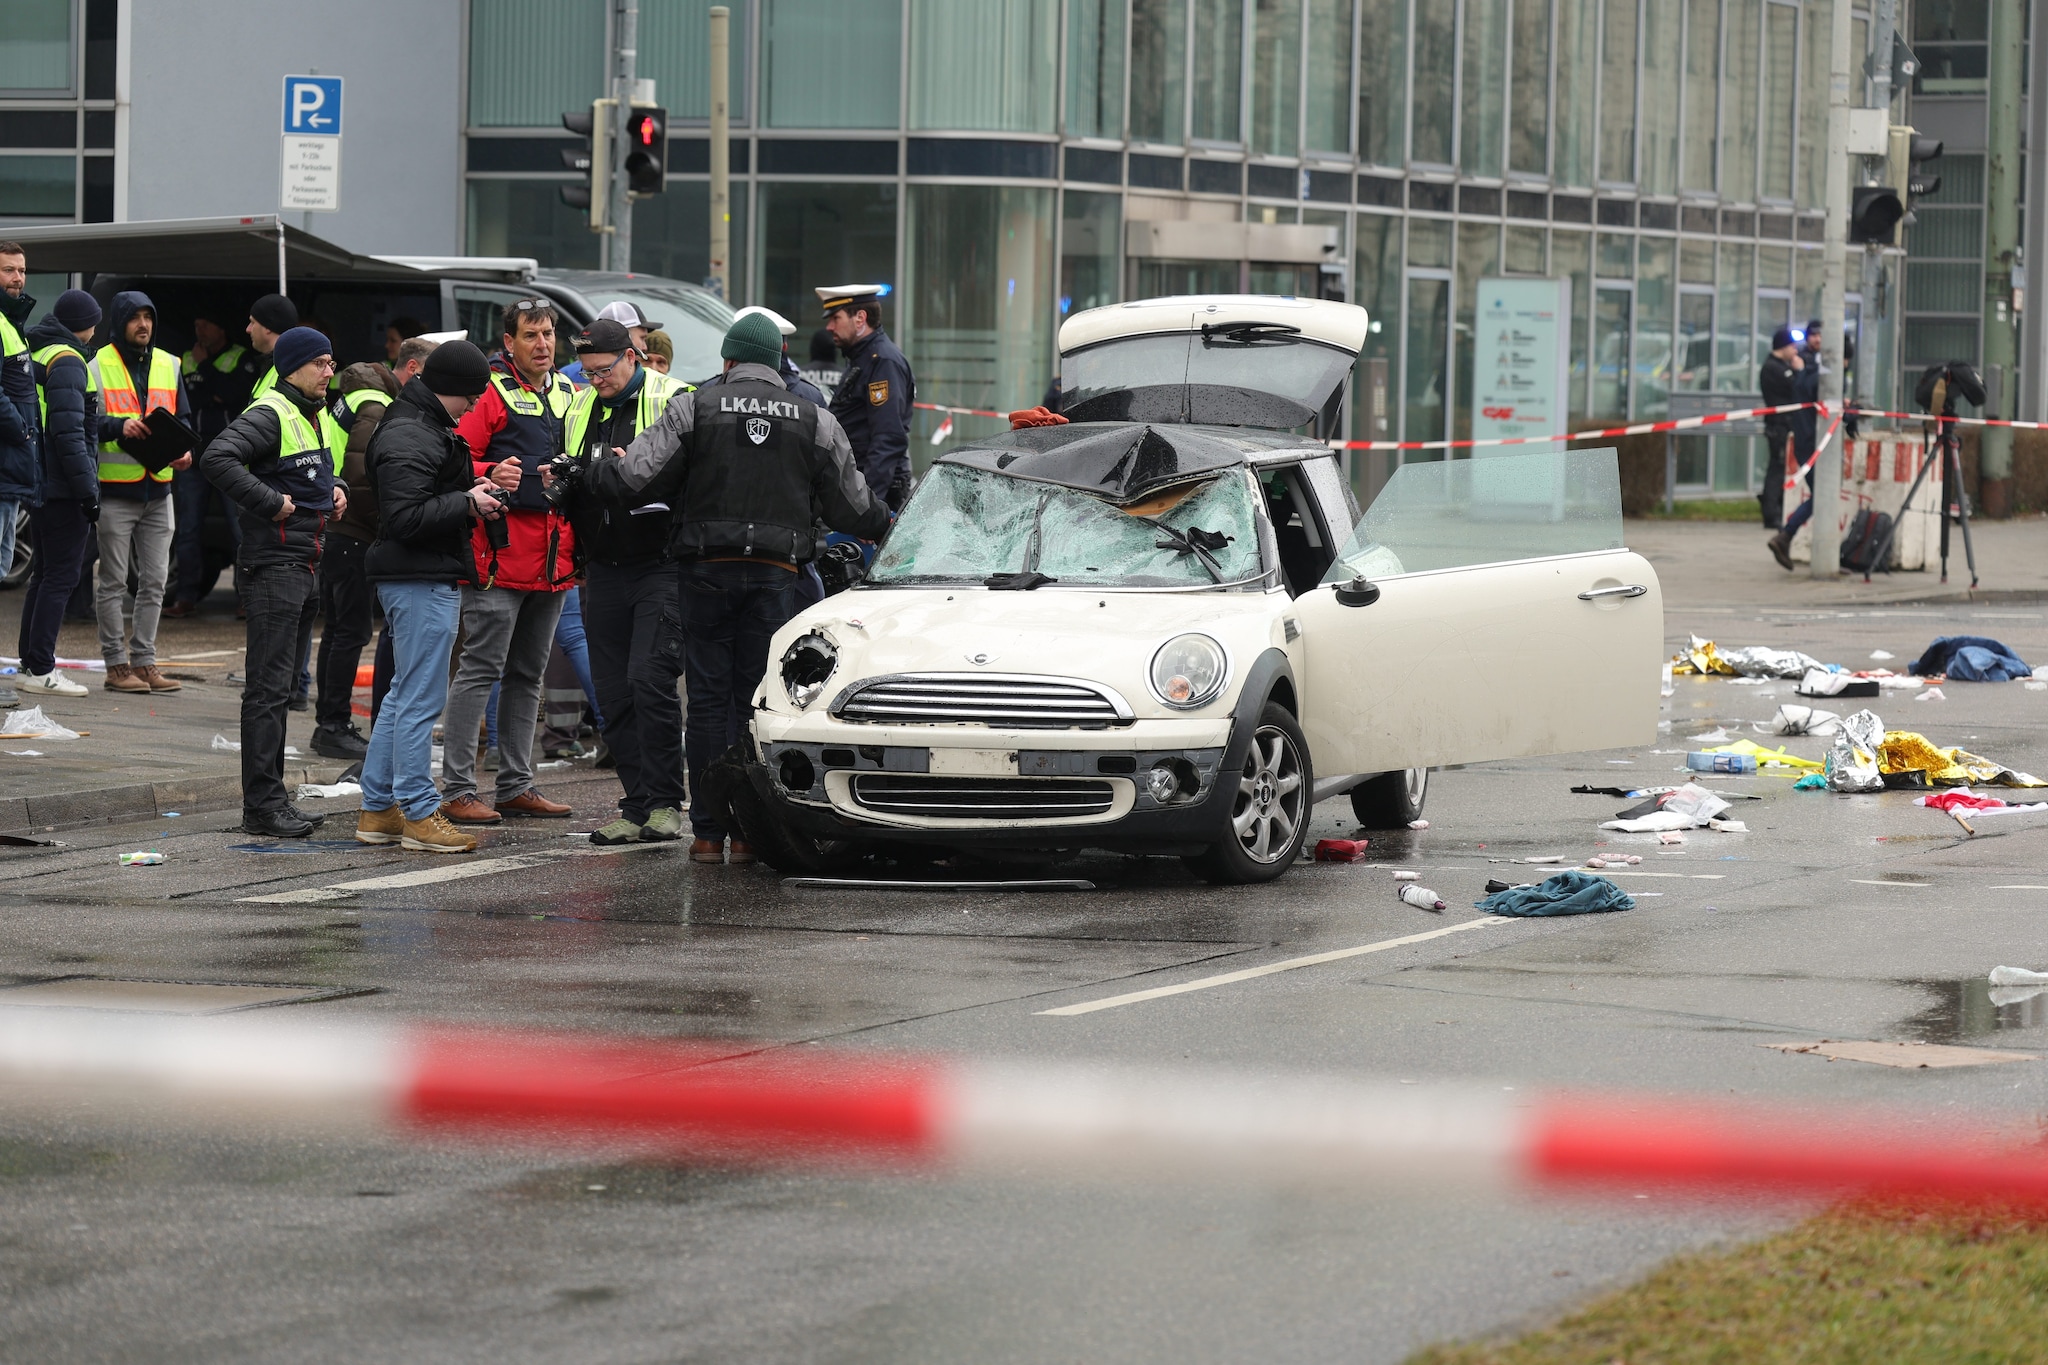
[1391, 800]
[1266, 805]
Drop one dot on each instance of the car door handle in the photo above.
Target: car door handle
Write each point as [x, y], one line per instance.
[1626, 590]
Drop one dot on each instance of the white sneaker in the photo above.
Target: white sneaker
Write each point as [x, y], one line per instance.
[51, 684]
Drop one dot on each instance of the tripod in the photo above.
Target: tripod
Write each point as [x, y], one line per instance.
[1945, 448]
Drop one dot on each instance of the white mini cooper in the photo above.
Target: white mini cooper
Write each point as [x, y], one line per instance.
[1165, 628]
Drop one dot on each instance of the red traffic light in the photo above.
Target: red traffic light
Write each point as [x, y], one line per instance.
[646, 129]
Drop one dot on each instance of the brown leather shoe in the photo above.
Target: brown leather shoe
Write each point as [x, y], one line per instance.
[707, 851]
[122, 678]
[739, 853]
[533, 805]
[157, 680]
[178, 611]
[1780, 546]
[467, 810]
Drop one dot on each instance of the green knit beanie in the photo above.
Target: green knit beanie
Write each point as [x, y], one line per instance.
[753, 338]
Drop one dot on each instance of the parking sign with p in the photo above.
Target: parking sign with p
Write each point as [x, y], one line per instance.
[312, 106]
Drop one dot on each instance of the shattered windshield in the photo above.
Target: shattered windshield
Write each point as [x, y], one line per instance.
[1245, 374]
[970, 526]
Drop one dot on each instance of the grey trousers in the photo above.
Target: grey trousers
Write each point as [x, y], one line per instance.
[132, 535]
[506, 634]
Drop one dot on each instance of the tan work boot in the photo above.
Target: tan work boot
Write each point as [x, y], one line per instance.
[436, 835]
[156, 679]
[122, 678]
[380, 826]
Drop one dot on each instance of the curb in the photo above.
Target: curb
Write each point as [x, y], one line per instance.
[137, 800]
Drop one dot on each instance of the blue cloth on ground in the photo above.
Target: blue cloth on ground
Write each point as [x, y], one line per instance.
[1971, 658]
[1567, 893]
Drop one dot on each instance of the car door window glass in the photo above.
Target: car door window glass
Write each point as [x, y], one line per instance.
[1303, 541]
[1491, 509]
[481, 312]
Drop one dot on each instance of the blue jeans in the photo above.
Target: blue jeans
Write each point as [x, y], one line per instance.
[569, 635]
[730, 611]
[10, 512]
[1798, 518]
[420, 621]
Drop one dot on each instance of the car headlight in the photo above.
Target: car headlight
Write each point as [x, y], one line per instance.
[806, 665]
[1188, 671]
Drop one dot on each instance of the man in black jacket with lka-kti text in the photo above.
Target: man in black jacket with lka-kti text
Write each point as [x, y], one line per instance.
[273, 463]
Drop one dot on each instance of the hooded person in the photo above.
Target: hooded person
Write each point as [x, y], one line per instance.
[429, 496]
[62, 523]
[134, 378]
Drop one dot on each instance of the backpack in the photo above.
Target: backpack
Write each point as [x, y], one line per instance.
[1859, 546]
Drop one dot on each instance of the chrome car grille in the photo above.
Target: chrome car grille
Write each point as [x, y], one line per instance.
[981, 798]
[1015, 700]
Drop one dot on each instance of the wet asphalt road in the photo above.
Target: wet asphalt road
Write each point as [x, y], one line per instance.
[1836, 917]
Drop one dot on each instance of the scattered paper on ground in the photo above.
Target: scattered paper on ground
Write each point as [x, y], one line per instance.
[1909, 1055]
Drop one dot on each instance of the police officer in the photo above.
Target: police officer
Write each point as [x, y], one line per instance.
[630, 620]
[1779, 381]
[273, 463]
[874, 396]
[748, 465]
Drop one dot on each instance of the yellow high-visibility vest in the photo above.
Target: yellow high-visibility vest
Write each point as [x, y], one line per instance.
[119, 399]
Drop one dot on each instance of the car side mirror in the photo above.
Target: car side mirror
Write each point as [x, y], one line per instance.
[1358, 592]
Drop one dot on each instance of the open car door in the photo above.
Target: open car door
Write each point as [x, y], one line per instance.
[1483, 609]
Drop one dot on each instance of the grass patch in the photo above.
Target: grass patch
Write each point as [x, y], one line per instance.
[1707, 509]
[1862, 1283]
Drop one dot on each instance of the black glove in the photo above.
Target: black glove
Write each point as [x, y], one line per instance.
[92, 511]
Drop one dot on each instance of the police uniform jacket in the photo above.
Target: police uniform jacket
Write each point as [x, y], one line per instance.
[249, 463]
[872, 403]
[1778, 382]
[747, 466]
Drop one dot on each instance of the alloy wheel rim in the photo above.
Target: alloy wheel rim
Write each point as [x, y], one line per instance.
[1270, 797]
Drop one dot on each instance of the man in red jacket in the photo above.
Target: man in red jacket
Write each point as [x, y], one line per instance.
[508, 622]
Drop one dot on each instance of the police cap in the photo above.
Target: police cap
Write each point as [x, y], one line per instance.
[834, 297]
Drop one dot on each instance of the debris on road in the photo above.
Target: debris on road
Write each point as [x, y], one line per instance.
[1405, 876]
[1768, 758]
[1971, 658]
[1794, 719]
[1810, 782]
[1881, 654]
[1753, 661]
[1709, 761]
[1341, 850]
[1418, 824]
[1912, 1056]
[1567, 893]
[1851, 764]
[1819, 682]
[142, 859]
[1903, 751]
[1932, 694]
[223, 745]
[2017, 976]
[1670, 836]
[1421, 897]
[30, 723]
[308, 790]
[1963, 799]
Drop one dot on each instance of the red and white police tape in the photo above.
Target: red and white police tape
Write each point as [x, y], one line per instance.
[783, 1105]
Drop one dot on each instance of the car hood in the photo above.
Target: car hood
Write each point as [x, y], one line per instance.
[1105, 637]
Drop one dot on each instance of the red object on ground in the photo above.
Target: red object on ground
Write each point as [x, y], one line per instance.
[1341, 850]
[366, 675]
[1963, 799]
[1035, 417]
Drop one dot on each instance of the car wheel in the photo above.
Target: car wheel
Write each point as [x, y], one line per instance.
[1268, 804]
[1391, 800]
[15, 574]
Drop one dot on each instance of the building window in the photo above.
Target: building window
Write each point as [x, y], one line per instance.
[977, 304]
[39, 186]
[529, 60]
[1813, 104]
[1095, 68]
[1091, 250]
[815, 235]
[1781, 99]
[1612, 305]
[1571, 254]
[1482, 100]
[675, 52]
[1739, 118]
[1436, 54]
[1945, 268]
[1276, 77]
[1577, 81]
[1159, 70]
[1702, 90]
[1950, 37]
[1383, 82]
[672, 236]
[35, 58]
[528, 218]
[1328, 115]
[1219, 71]
[1656, 285]
[1375, 403]
[1734, 371]
[858, 41]
[1425, 387]
[953, 85]
[1662, 44]
[1618, 93]
[1478, 257]
[1529, 90]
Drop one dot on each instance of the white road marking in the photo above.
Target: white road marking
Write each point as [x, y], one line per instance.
[428, 876]
[2020, 886]
[1312, 960]
[1859, 881]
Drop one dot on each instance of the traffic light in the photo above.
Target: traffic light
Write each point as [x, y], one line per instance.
[595, 194]
[1919, 177]
[1874, 214]
[647, 149]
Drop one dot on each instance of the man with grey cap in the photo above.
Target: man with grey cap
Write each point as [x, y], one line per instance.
[748, 466]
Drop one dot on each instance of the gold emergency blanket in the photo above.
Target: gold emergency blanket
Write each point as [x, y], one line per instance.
[1903, 751]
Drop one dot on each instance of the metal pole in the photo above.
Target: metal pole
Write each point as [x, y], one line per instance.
[1827, 470]
[718, 278]
[2033, 323]
[625, 37]
[1877, 369]
[2001, 247]
[280, 253]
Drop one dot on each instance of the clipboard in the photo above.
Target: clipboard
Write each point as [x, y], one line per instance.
[168, 439]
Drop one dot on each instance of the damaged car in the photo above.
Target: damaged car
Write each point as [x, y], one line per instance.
[1166, 628]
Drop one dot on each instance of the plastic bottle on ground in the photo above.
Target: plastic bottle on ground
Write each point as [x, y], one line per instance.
[1421, 897]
